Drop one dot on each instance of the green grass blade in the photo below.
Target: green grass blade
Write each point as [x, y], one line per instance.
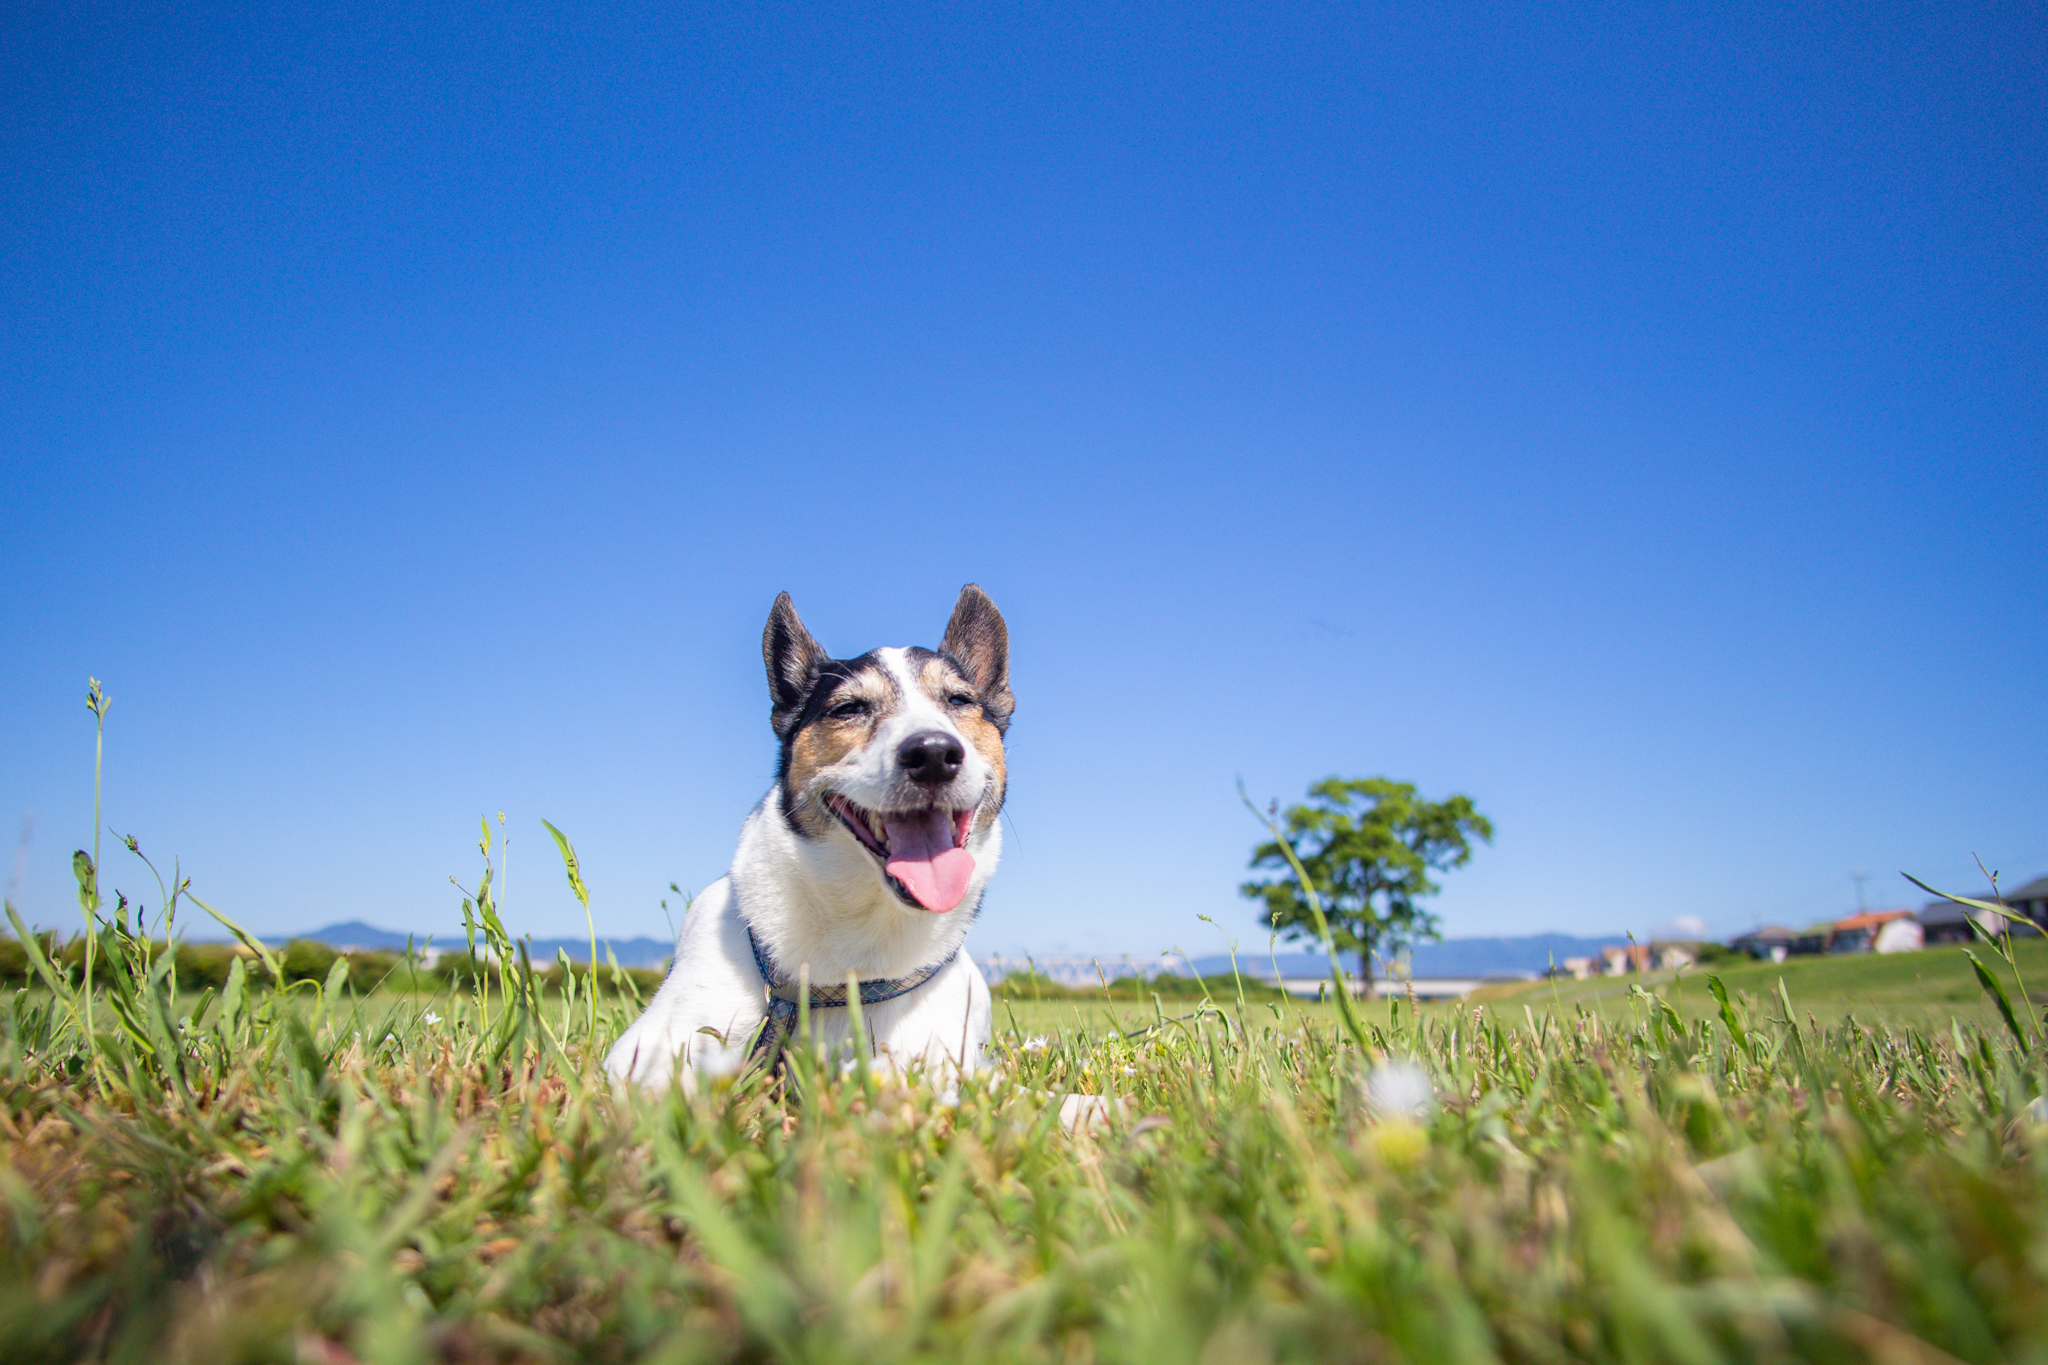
[32, 948]
[1994, 989]
[1729, 1017]
[245, 938]
[575, 871]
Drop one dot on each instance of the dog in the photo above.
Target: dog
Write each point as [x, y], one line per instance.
[865, 862]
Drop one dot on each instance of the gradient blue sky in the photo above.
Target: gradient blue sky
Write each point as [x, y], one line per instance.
[1630, 415]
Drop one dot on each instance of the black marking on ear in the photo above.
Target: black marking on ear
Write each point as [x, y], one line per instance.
[793, 659]
[979, 643]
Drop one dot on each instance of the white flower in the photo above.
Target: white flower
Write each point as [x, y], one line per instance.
[1036, 1043]
[1400, 1090]
[431, 1017]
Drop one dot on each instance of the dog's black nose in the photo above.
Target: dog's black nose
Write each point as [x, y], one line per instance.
[930, 757]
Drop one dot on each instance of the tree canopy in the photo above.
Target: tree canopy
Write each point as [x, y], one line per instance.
[1368, 845]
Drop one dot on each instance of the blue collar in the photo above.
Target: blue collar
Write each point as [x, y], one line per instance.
[784, 998]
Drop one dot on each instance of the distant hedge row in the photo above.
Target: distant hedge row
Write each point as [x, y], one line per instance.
[1036, 986]
[206, 964]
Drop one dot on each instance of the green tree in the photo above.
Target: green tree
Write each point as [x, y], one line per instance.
[1369, 845]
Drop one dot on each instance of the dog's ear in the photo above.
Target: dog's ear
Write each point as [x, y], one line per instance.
[979, 642]
[793, 660]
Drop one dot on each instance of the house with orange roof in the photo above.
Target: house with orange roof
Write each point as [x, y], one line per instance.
[1867, 932]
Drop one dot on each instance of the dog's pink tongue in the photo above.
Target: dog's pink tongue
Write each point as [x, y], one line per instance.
[922, 857]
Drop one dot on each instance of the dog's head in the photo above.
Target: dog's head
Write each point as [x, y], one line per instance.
[898, 752]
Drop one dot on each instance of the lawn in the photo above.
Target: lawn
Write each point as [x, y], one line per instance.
[1924, 990]
[304, 1175]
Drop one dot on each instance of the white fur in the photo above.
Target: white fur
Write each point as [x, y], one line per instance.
[823, 903]
[869, 775]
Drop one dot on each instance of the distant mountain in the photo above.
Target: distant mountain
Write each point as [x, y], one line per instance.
[631, 952]
[1255, 964]
[356, 934]
[1526, 956]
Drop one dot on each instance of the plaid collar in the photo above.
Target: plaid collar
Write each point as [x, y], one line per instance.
[785, 996]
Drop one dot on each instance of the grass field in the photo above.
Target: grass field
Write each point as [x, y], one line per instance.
[1924, 990]
[301, 1174]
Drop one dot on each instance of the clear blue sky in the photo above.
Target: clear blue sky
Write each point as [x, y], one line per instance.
[1632, 416]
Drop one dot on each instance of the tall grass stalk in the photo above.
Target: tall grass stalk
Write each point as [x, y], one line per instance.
[575, 871]
[1270, 819]
[2000, 943]
[97, 701]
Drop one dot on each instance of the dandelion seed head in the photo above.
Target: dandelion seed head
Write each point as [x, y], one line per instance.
[1400, 1090]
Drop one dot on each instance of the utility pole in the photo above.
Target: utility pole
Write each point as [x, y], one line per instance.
[1859, 877]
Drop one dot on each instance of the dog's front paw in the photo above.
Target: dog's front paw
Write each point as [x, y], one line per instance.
[643, 1057]
[1088, 1113]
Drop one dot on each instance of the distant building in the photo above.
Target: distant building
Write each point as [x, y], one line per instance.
[1619, 959]
[1946, 922]
[1672, 956]
[1815, 938]
[1893, 931]
[2031, 900]
[1622, 958]
[1771, 942]
[1858, 933]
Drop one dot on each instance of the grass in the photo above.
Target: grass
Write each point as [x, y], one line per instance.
[1926, 988]
[304, 1174]
[292, 1171]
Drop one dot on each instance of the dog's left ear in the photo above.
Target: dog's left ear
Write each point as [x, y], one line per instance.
[979, 642]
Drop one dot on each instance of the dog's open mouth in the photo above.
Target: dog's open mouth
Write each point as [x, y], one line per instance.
[923, 852]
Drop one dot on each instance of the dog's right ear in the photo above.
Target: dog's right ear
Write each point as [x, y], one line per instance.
[793, 660]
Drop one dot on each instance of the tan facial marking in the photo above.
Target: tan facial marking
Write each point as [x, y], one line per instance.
[829, 740]
[940, 681]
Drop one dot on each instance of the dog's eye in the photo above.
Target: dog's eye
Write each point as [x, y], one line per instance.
[960, 699]
[847, 710]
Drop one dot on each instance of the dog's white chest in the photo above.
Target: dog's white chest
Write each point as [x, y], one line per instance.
[704, 1018]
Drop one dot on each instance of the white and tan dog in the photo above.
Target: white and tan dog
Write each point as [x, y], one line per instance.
[867, 859]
